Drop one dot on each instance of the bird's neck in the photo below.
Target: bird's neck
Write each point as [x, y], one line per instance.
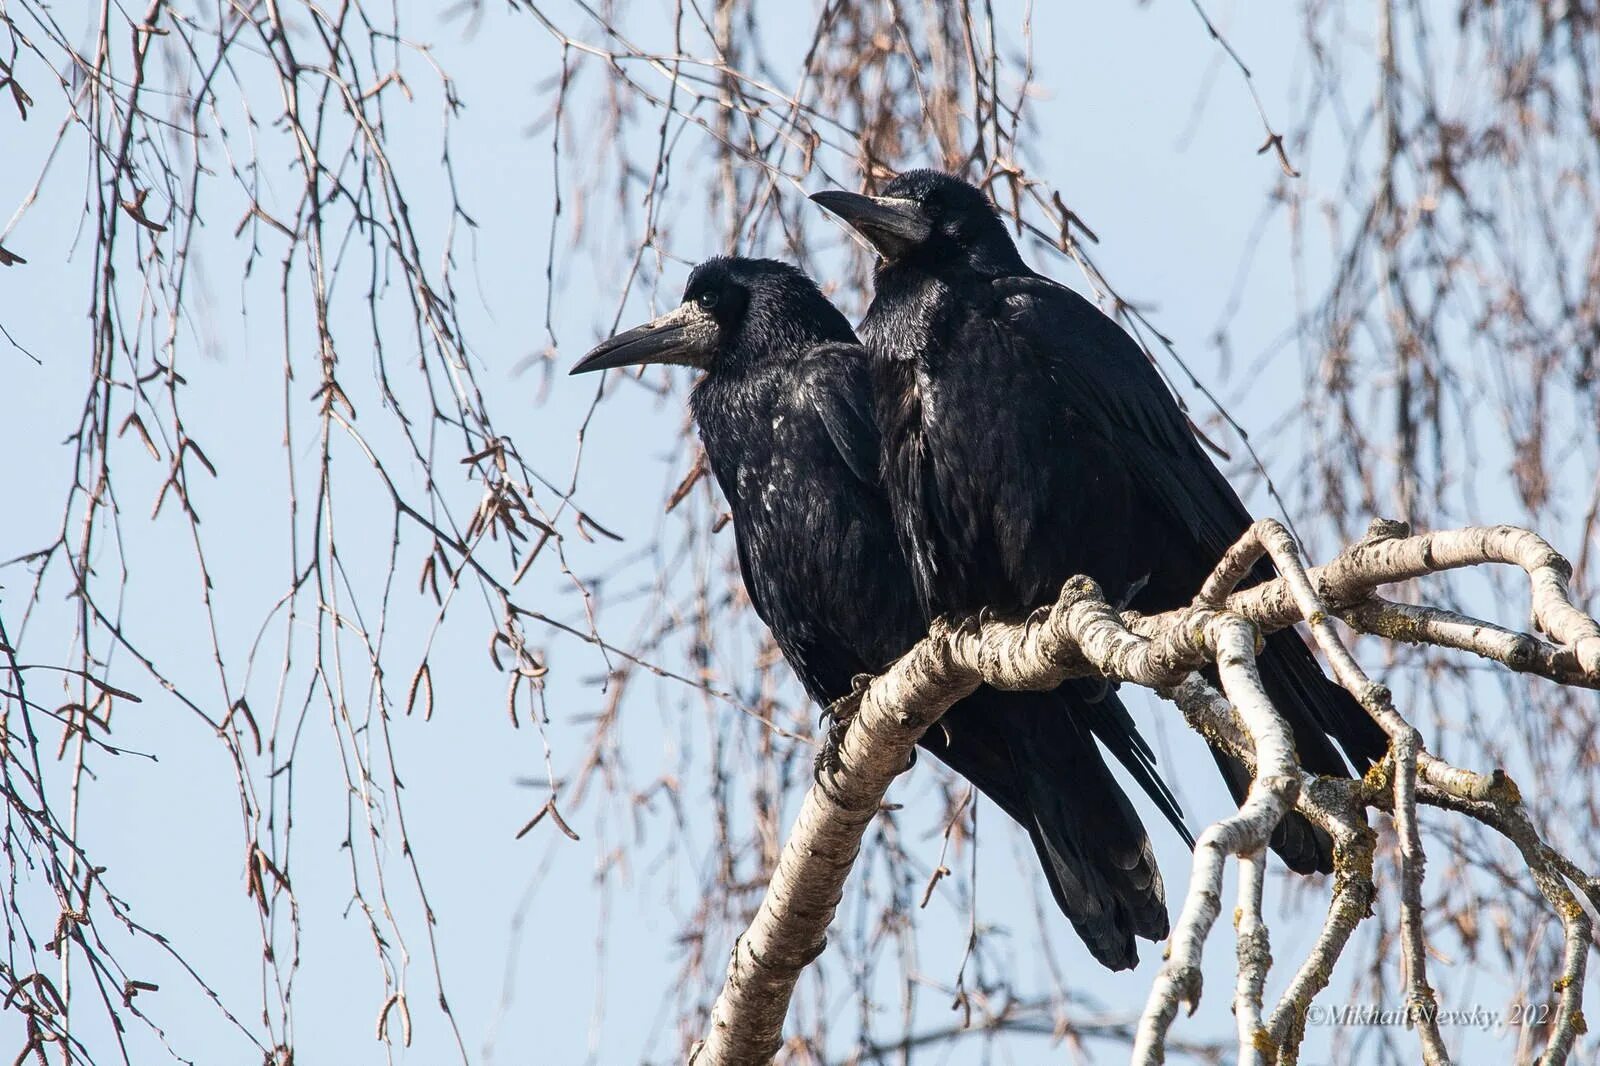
[912, 309]
[731, 409]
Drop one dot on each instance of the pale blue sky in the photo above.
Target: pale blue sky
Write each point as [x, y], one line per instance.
[1118, 82]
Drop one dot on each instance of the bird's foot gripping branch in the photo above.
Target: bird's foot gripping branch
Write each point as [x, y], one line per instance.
[1084, 635]
[836, 717]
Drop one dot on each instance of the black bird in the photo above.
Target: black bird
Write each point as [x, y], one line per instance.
[785, 412]
[1028, 439]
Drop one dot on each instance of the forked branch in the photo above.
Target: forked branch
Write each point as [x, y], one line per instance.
[1082, 635]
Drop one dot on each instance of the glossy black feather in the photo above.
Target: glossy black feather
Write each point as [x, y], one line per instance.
[787, 418]
[1028, 439]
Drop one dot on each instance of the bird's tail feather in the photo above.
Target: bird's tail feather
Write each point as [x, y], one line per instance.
[1097, 858]
[1114, 727]
[1034, 755]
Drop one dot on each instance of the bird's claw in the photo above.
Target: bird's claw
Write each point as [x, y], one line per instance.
[827, 762]
[970, 625]
[837, 716]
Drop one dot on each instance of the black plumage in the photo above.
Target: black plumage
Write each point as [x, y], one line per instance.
[1028, 439]
[785, 411]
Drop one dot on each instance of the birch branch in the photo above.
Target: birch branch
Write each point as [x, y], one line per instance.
[1254, 958]
[1272, 794]
[1082, 635]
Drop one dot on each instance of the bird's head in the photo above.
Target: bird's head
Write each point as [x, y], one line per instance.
[930, 216]
[735, 312]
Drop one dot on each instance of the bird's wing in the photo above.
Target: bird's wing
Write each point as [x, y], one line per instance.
[838, 384]
[832, 385]
[1108, 381]
[817, 658]
[1112, 382]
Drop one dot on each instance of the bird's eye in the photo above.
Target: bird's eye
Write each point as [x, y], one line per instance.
[707, 300]
[933, 206]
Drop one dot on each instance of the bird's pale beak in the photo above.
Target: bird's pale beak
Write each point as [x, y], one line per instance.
[686, 336]
[891, 223]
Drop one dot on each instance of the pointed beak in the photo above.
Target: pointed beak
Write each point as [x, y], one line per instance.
[686, 336]
[893, 225]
